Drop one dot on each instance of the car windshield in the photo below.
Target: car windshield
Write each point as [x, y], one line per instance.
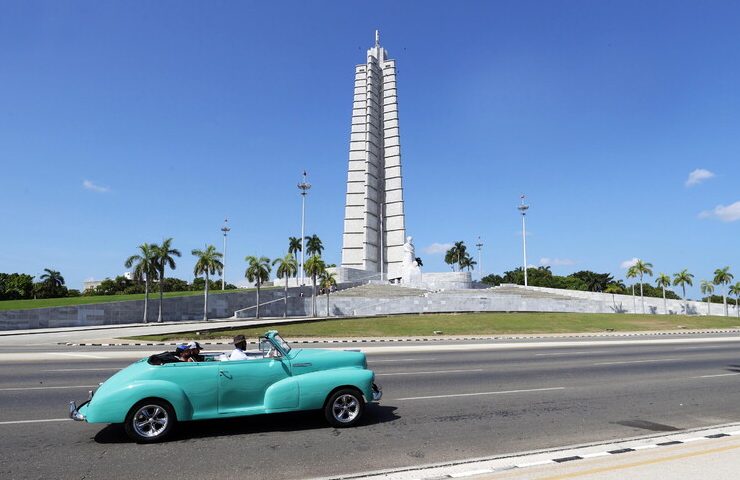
[282, 343]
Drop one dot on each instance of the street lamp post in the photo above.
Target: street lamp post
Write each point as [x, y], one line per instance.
[304, 187]
[226, 231]
[523, 207]
[480, 258]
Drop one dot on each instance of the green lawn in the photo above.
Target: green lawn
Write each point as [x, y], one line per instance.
[68, 301]
[472, 324]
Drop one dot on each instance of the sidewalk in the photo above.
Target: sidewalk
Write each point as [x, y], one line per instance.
[697, 454]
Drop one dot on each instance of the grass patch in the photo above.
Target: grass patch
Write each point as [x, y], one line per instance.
[471, 324]
[71, 301]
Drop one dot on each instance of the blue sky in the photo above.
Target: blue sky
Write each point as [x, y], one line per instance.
[124, 123]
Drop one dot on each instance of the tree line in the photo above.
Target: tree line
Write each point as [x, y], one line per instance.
[20, 286]
[586, 280]
[152, 260]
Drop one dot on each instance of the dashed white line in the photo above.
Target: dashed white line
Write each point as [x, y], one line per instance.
[371, 361]
[428, 373]
[718, 375]
[37, 421]
[45, 388]
[83, 369]
[569, 353]
[639, 361]
[501, 392]
[83, 355]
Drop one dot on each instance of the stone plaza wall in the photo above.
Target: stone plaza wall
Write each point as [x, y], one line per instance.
[505, 298]
[175, 309]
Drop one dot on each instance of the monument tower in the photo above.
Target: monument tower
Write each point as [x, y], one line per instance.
[374, 224]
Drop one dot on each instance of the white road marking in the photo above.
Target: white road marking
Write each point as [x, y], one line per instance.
[37, 421]
[718, 375]
[470, 473]
[594, 455]
[371, 361]
[82, 369]
[428, 373]
[639, 361]
[501, 392]
[693, 348]
[45, 388]
[568, 353]
[83, 355]
[534, 464]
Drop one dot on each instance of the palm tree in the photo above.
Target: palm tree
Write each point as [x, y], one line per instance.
[467, 262]
[52, 278]
[707, 288]
[460, 252]
[258, 271]
[164, 257]
[632, 273]
[683, 278]
[663, 281]
[209, 262]
[722, 276]
[313, 245]
[287, 267]
[735, 290]
[145, 266]
[450, 258]
[314, 266]
[327, 281]
[643, 268]
[294, 245]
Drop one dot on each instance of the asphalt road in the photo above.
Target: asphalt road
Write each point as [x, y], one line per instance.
[437, 406]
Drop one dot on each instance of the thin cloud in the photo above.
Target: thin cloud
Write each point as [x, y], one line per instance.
[724, 213]
[437, 248]
[556, 262]
[88, 185]
[698, 176]
[629, 263]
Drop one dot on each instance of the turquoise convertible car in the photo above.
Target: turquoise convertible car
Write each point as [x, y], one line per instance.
[150, 399]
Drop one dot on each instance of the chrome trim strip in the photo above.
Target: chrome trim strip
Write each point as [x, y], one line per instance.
[302, 364]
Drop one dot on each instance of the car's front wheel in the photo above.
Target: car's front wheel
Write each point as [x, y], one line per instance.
[344, 408]
[150, 421]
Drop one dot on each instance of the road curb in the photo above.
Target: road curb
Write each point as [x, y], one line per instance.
[517, 461]
[423, 339]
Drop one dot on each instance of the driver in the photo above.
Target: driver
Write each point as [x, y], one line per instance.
[240, 346]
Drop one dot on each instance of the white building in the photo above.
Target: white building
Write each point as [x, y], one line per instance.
[374, 224]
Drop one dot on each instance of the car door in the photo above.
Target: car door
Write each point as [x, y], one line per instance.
[242, 384]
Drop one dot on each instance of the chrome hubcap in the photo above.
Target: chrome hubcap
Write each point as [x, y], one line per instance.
[346, 408]
[150, 421]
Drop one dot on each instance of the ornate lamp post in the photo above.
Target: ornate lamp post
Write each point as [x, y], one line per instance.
[226, 231]
[304, 187]
[523, 207]
[480, 258]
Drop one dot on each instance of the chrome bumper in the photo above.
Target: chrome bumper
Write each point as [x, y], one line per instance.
[74, 413]
[377, 393]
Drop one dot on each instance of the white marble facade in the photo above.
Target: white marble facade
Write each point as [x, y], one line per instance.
[374, 224]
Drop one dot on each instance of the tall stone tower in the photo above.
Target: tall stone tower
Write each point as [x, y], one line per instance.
[374, 224]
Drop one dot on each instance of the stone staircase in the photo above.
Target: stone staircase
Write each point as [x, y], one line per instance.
[380, 291]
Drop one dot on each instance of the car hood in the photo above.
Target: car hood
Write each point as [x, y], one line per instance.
[322, 359]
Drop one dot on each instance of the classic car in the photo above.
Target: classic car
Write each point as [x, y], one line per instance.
[150, 399]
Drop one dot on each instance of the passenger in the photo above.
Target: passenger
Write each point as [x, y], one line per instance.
[240, 346]
[190, 352]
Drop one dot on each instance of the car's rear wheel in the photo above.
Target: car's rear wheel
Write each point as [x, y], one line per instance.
[344, 408]
[150, 421]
